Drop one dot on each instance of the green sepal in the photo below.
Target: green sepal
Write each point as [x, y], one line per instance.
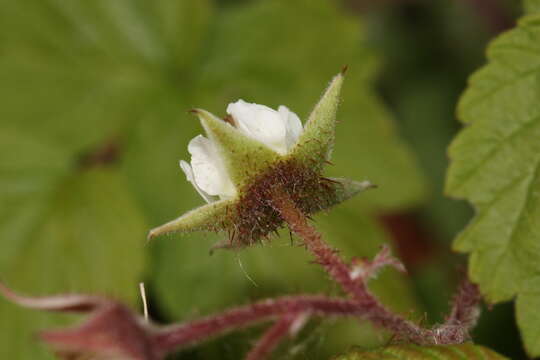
[345, 189]
[215, 216]
[244, 157]
[314, 147]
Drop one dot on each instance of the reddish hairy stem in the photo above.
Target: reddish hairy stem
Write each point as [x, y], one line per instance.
[271, 338]
[195, 331]
[463, 316]
[340, 272]
[465, 309]
[100, 333]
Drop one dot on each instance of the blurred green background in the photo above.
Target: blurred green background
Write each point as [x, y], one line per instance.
[93, 120]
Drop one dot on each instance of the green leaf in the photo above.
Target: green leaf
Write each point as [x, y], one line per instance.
[77, 72]
[416, 352]
[368, 147]
[244, 157]
[314, 147]
[496, 166]
[531, 6]
[528, 318]
[76, 75]
[61, 231]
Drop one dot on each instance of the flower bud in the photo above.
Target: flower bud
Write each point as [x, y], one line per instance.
[252, 155]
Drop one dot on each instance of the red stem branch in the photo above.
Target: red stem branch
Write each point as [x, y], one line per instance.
[463, 316]
[465, 309]
[196, 331]
[271, 338]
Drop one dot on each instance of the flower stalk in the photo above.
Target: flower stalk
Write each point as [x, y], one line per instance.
[465, 308]
[341, 273]
[272, 337]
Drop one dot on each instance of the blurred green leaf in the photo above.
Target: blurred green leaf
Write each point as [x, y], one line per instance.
[528, 317]
[495, 165]
[531, 6]
[61, 232]
[415, 352]
[76, 75]
[77, 71]
[367, 147]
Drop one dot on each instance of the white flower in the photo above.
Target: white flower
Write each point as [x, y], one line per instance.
[279, 130]
[207, 172]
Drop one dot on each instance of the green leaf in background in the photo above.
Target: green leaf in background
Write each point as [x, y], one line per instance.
[62, 231]
[531, 6]
[76, 75]
[414, 352]
[496, 166]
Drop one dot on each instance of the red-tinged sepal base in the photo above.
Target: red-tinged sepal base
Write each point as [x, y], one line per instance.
[255, 217]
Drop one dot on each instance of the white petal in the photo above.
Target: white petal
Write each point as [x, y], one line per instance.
[293, 125]
[208, 171]
[260, 123]
[191, 178]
